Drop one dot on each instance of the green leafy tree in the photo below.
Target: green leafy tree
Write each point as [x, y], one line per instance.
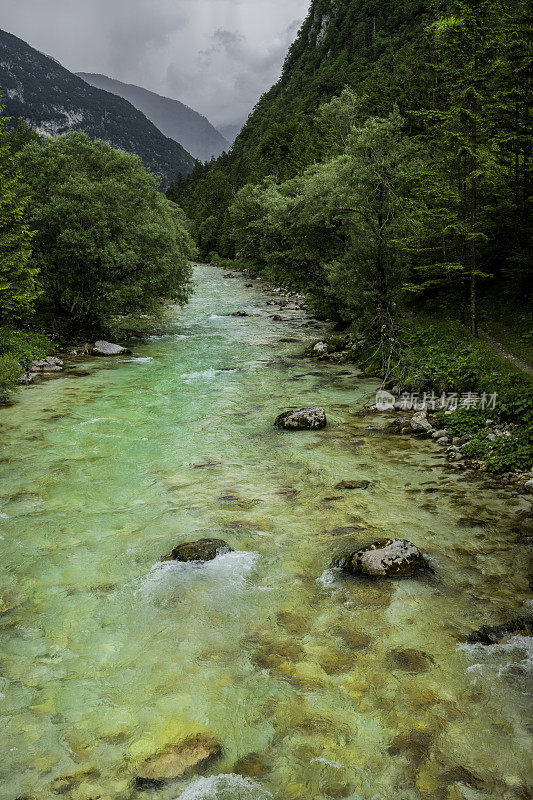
[371, 188]
[108, 242]
[17, 275]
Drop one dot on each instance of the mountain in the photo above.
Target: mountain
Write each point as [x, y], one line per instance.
[230, 132]
[374, 46]
[371, 45]
[55, 101]
[174, 119]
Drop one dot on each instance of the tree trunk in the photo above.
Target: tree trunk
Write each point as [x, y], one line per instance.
[473, 305]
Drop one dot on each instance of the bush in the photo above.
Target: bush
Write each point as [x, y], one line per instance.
[461, 422]
[107, 242]
[17, 350]
[9, 375]
[513, 453]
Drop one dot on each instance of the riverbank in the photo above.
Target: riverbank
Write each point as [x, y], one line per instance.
[441, 369]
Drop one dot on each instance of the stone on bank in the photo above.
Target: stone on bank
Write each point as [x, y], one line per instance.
[102, 348]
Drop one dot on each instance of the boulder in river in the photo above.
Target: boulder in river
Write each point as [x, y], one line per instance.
[102, 348]
[494, 634]
[387, 558]
[201, 550]
[239, 314]
[302, 419]
[48, 364]
[177, 760]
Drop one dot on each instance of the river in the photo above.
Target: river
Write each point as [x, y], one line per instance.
[316, 685]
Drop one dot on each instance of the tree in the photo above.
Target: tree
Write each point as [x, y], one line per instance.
[463, 136]
[17, 276]
[108, 242]
[371, 189]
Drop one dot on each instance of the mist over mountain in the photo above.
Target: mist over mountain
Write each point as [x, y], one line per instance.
[176, 120]
[230, 132]
[54, 101]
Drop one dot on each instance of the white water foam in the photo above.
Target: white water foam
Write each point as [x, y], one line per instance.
[322, 760]
[227, 570]
[329, 577]
[225, 787]
[511, 661]
[106, 419]
[207, 373]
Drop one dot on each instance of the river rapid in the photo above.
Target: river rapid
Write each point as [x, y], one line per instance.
[316, 685]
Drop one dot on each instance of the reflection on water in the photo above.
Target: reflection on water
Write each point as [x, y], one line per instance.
[316, 686]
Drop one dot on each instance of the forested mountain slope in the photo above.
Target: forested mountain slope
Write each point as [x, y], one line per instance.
[55, 101]
[176, 120]
[388, 53]
[372, 45]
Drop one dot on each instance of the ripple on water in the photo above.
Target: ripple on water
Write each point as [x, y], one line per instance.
[225, 572]
[510, 662]
[224, 787]
[206, 373]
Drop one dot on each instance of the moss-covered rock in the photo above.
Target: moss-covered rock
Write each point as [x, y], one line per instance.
[493, 634]
[201, 550]
[387, 558]
[302, 419]
[350, 485]
[177, 760]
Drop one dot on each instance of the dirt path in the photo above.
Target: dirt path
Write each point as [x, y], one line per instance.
[501, 351]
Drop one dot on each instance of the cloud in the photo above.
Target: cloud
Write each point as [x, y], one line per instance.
[218, 56]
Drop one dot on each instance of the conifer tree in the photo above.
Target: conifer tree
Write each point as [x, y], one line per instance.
[465, 144]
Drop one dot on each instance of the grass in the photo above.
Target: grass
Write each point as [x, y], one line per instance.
[510, 325]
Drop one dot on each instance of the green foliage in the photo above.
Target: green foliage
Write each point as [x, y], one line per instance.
[512, 453]
[17, 276]
[17, 351]
[462, 421]
[107, 241]
[9, 375]
[332, 231]
[442, 356]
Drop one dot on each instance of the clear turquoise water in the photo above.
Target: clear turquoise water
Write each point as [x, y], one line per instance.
[105, 652]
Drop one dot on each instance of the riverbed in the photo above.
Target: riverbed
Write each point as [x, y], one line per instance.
[317, 686]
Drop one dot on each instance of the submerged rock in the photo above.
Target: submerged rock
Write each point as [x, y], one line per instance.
[201, 550]
[409, 660]
[177, 760]
[102, 348]
[353, 485]
[239, 314]
[302, 419]
[48, 364]
[493, 634]
[387, 558]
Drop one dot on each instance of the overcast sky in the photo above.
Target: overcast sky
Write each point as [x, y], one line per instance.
[217, 56]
